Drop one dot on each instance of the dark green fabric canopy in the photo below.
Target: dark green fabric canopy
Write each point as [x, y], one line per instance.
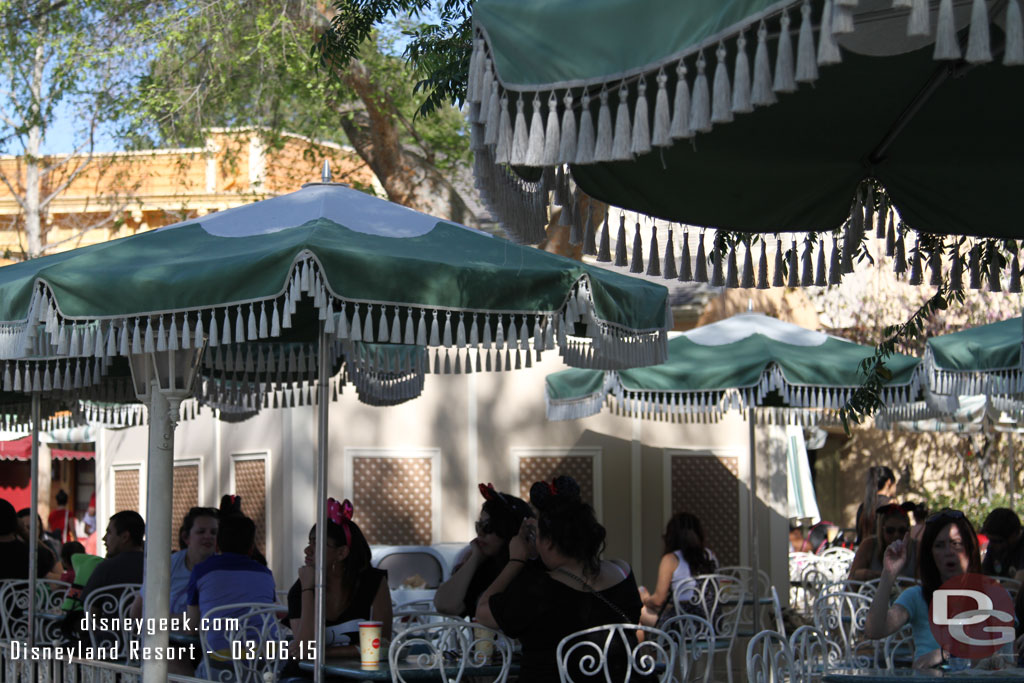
[979, 360]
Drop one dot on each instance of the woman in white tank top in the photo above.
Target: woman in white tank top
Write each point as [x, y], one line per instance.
[685, 556]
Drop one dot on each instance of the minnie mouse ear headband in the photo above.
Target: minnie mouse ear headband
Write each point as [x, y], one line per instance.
[230, 504]
[341, 514]
[490, 493]
[563, 488]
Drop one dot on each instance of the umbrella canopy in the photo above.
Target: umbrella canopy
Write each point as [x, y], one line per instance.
[756, 115]
[376, 273]
[979, 360]
[744, 361]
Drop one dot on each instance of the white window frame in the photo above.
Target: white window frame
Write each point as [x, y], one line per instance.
[432, 454]
[595, 453]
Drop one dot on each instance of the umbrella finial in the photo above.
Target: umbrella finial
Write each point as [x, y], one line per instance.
[325, 173]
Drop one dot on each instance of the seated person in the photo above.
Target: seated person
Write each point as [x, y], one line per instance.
[892, 523]
[571, 590]
[125, 557]
[1005, 554]
[355, 591]
[685, 556]
[13, 550]
[228, 578]
[67, 551]
[478, 566]
[48, 552]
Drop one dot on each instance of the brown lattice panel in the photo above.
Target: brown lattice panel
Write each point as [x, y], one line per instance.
[186, 496]
[707, 486]
[126, 490]
[251, 485]
[546, 468]
[393, 500]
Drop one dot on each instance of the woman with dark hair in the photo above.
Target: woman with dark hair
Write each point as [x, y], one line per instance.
[949, 547]
[500, 518]
[685, 556]
[355, 590]
[892, 523]
[570, 590]
[879, 488]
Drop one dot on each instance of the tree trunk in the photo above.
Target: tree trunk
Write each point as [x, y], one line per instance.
[33, 175]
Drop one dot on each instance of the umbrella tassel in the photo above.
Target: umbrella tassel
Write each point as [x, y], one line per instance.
[685, 274]
[172, 336]
[421, 329]
[721, 103]
[828, 50]
[487, 331]
[535, 141]
[717, 279]
[567, 150]
[571, 214]
[1013, 285]
[396, 327]
[732, 280]
[622, 140]
[410, 329]
[794, 267]
[741, 95]
[356, 330]
[368, 325]
[935, 266]
[603, 146]
[552, 136]
[604, 254]
[882, 216]
[435, 331]
[549, 333]
[915, 266]
[253, 331]
[701, 264]
[956, 281]
[890, 234]
[784, 74]
[1013, 51]
[979, 50]
[842, 18]
[900, 258]
[946, 44]
[503, 151]
[112, 338]
[225, 328]
[762, 93]
[383, 333]
[700, 108]
[653, 261]
[821, 275]
[63, 339]
[661, 136]
[584, 147]
[485, 94]
[150, 344]
[197, 341]
[620, 243]
[637, 263]
[76, 342]
[447, 336]
[807, 265]
[778, 273]
[524, 336]
[834, 272]
[239, 325]
[493, 117]
[17, 376]
[806, 66]
[994, 285]
[589, 238]
[849, 245]
[762, 266]
[671, 272]
[641, 126]
[681, 110]
[343, 331]
[520, 136]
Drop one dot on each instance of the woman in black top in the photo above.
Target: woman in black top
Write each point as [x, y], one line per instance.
[355, 590]
[572, 590]
[486, 555]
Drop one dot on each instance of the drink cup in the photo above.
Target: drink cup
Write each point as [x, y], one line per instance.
[369, 644]
[483, 645]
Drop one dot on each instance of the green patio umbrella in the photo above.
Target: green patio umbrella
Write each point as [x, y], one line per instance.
[758, 116]
[983, 360]
[742, 362]
[268, 297]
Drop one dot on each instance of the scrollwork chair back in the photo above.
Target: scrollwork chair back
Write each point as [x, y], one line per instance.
[613, 653]
[451, 651]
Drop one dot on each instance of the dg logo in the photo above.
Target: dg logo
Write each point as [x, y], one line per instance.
[972, 616]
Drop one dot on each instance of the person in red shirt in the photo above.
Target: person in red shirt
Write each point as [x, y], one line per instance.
[61, 521]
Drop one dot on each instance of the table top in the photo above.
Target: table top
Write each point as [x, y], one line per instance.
[349, 668]
[1011, 675]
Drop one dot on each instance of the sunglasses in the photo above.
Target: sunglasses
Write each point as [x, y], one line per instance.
[945, 513]
[484, 528]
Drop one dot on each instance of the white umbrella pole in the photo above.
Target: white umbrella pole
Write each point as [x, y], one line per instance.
[754, 557]
[323, 396]
[33, 526]
[1013, 473]
[163, 418]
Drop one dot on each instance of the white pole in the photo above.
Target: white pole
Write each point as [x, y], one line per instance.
[33, 526]
[755, 564]
[323, 398]
[163, 418]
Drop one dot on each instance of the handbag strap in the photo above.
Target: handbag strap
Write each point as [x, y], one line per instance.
[586, 586]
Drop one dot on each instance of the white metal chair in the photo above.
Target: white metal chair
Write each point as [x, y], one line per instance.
[815, 580]
[253, 636]
[720, 599]
[613, 652]
[407, 618]
[840, 617]
[811, 652]
[695, 640]
[405, 561]
[900, 647]
[112, 602]
[450, 651]
[14, 609]
[770, 659]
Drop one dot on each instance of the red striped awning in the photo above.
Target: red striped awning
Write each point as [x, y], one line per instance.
[21, 449]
